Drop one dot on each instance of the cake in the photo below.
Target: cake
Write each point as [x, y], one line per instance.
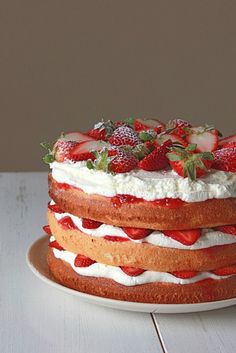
[144, 211]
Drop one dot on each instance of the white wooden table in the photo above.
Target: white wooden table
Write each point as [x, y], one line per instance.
[36, 318]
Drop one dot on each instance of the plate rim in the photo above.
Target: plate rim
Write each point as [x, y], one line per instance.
[124, 305]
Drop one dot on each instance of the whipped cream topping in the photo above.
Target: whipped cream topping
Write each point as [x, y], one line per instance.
[209, 237]
[147, 185]
[115, 273]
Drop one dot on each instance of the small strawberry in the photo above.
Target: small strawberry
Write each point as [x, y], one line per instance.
[137, 233]
[132, 271]
[62, 149]
[189, 164]
[56, 245]
[47, 230]
[186, 237]
[227, 139]
[157, 159]
[225, 159]
[206, 138]
[225, 271]
[90, 224]
[123, 162]
[231, 229]
[55, 208]
[115, 238]
[66, 222]
[178, 127]
[83, 261]
[84, 150]
[102, 130]
[124, 135]
[148, 124]
[184, 274]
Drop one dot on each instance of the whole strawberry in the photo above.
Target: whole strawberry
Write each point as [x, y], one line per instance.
[124, 135]
[189, 164]
[157, 159]
[61, 150]
[124, 162]
[225, 159]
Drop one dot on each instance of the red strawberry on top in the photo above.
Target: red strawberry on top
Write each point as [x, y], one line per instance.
[227, 140]
[231, 229]
[132, 271]
[90, 224]
[184, 274]
[124, 135]
[123, 162]
[156, 160]
[206, 138]
[62, 149]
[225, 271]
[84, 150]
[102, 131]
[186, 237]
[189, 164]
[83, 261]
[148, 124]
[176, 139]
[178, 127]
[225, 159]
[137, 233]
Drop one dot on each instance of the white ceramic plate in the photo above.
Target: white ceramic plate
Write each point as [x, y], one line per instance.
[36, 260]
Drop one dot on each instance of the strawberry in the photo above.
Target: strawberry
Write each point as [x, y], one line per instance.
[148, 124]
[47, 230]
[83, 261]
[56, 245]
[90, 224]
[178, 127]
[206, 138]
[231, 229]
[229, 144]
[115, 238]
[75, 136]
[67, 222]
[189, 164]
[84, 150]
[184, 274]
[132, 271]
[174, 138]
[55, 208]
[225, 271]
[123, 163]
[102, 131]
[227, 139]
[62, 149]
[137, 233]
[157, 159]
[186, 237]
[225, 159]
[124, 135]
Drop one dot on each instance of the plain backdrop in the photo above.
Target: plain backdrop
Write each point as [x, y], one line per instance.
[66, 64]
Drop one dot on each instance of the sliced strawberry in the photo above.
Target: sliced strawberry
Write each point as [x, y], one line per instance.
[90, 224]
[227, 139]
[83, 151]
[62, 149]
[186, 237]
[205, 139]
[47, 230]
[179, 126]
[174, 138]
[55, 208]
[225, 159]
[157, 159]
[76, 136]
[124, 135]
[229, 144]
[115, 238]
[56, 245]
[225, 271]
[137, 233]
[184, 274]
[148, 124]
[231, 229]
[132, 271]
[83, 261]
[66, 222]
[123, 163]
[98, 134]
[102, 130]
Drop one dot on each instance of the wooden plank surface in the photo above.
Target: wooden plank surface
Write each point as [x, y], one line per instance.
[36, 318]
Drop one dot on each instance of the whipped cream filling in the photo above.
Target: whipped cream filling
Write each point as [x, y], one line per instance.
[147, 185]
[209, 237]
[116, 274]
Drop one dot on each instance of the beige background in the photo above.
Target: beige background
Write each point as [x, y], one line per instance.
[65, 64]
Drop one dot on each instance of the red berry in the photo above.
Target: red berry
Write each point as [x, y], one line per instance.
[90, 224]
[148, 124]
[67, 222]
[83, 151]
[55, 208]
[132, 271]
[227, 139]
[231, 229]
[124, 135]
[123, 162]
[229, 144]
[184, 274]
[115, 238]
[56, 245]
[186, 237]
[137, 233]
[62, 149]
[47, 230]
[225, 159]
[156, 160]
[225, 271]
[97, 134]
[83, 261]
[206, 141]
